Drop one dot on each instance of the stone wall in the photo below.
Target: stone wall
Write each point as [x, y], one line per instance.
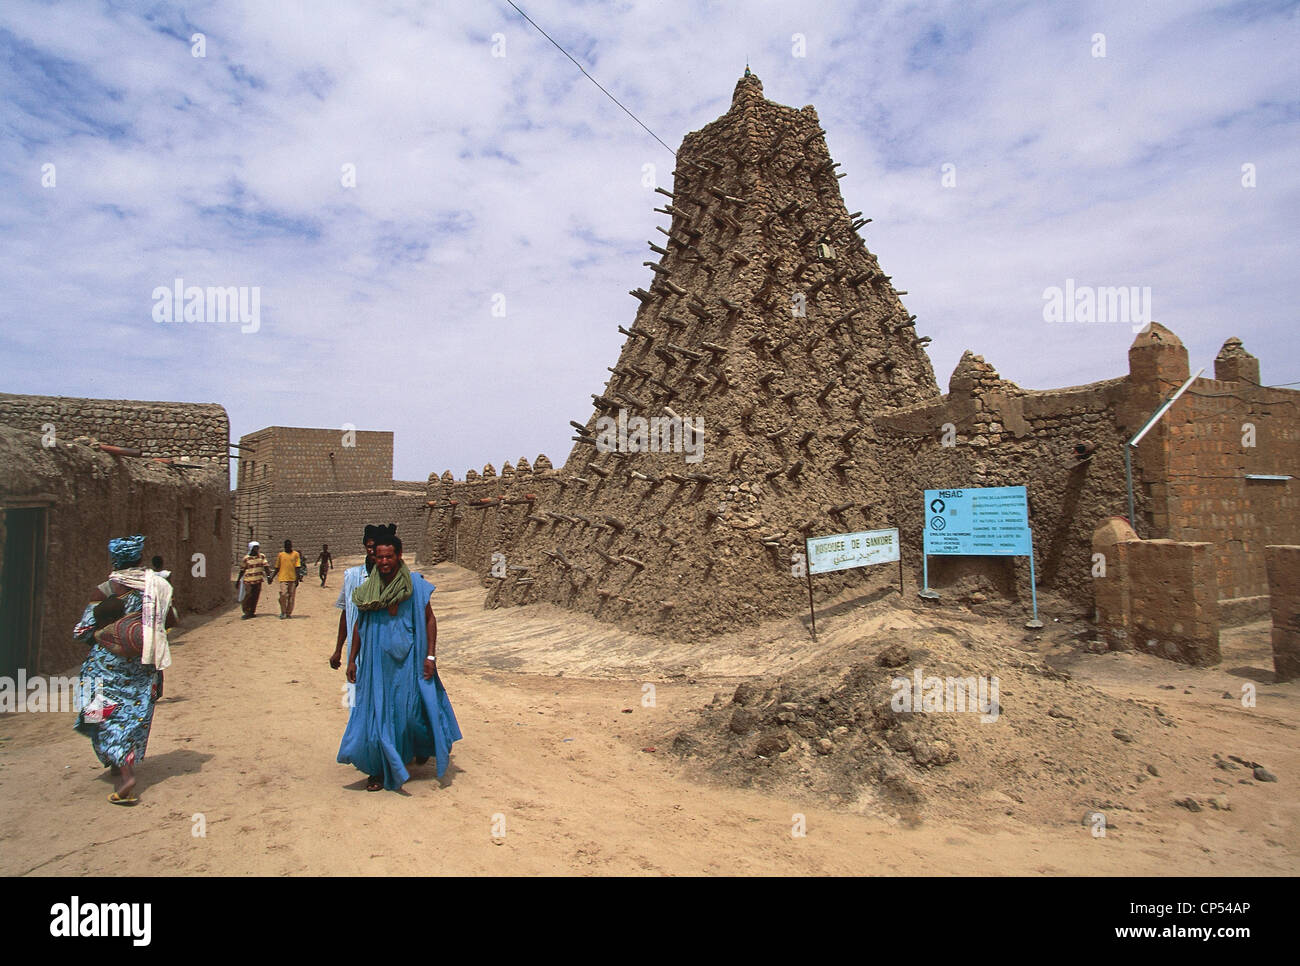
[1065, 446]
[1174, 600]
[198, 431]
[1284, 590]
[90, 497]
[1191, 471]
[251, 518]
[338, 519]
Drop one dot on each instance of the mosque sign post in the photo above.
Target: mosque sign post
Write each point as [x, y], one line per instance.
[978, 521]
[844, 551]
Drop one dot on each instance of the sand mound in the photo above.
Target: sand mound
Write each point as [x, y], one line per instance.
[991, 727]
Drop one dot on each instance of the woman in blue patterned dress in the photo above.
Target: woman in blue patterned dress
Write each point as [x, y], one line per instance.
[121, 686]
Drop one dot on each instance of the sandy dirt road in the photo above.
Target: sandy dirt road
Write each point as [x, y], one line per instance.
[244, 743]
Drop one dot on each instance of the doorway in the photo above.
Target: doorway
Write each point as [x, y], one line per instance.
[22, 590]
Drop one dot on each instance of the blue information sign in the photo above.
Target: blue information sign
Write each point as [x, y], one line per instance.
[977, 521]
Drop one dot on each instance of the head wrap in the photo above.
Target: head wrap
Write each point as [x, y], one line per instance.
[252, 544]
[126, 550]
[388, 535]
[370, 533]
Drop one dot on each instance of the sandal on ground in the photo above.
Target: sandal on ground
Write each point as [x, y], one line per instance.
[375, 783]
[117, 799]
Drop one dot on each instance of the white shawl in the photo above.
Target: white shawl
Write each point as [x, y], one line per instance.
[157, 595]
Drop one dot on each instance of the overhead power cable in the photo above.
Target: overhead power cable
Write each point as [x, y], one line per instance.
[590, 78]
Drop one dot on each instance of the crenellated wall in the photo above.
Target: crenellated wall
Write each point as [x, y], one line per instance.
[1065, 446]
[468, 520]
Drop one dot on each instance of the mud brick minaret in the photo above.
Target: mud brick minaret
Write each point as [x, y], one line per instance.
[766, 317]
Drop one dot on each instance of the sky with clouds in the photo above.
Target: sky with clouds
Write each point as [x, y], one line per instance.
[490, 173]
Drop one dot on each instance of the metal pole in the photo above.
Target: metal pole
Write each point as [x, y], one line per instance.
[925, 590]
[1033, 585]
[1128, 477]
[807, 569]
[1165, 408]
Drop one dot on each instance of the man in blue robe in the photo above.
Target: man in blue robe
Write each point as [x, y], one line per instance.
[401, 710]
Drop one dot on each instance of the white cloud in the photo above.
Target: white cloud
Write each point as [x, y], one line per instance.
[478, 175]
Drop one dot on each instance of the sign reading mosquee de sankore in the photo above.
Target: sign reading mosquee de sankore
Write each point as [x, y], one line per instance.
[842, 551]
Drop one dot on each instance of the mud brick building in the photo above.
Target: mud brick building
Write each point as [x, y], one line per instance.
[62, 499]
[767, 317]
[199, 432]
[320, 486]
